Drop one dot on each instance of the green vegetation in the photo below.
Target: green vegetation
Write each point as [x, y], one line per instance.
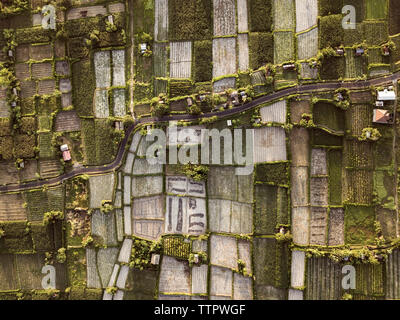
[328, 116]
[52, 216]
[260, 15]
[176, 246]
[265, 210]
[84, 84]
[194, 171]
[331, 31]
[276, 173]
[178, 88]
[376, 9]
[202, 65]
[359, 224]
[328, 7]
[261, 49]
[190, 19]
[142, 251]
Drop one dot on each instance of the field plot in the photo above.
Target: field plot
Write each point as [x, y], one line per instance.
[45, 146]
[284, 14]
[199, 279]
[224, 84]
[101, 188]
[283, 47]
[224, 57]
[265, 210]
[319, 191]
[230, 217]
[323, 279]
[49, 168]
[93, 279]
[223, 251]
[223, 183]
[394, 13]
[106, 258]
[307, 44]
[146, 186]
[376, 32]
[329, 116]
[181, 59]
[160, 59]
[300, 225]
[318, 224]
[148, 217]
[354, 65]
[242, 287]
[243, 46]
[243, 25]
[269, 145]
[29, 268]
[376, 9]
[67, 121]
[299, 186]
[261, 46]
[119, 103]
[101, 103]
[275, 112]
[161, 20]
[174, 276]
[103, 226]
[318, 162]
[299, 146]
[359, 117]
[29, 171]
[298, 269]
[306, 14]
[118, 63]
[102, 61]
[392, 275]
[359, 224]
[336, 227]
[9, 173]
[224, 17]
[359, 186]
[12, 207]
[221, 283]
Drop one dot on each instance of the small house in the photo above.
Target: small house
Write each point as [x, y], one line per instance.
[10, 53]
[83, 13]
[360, 52]
[202, 97]
[65, 152]
[21, 164]
[386, 95]
[379, 104]
[229, 123]
[386, 51]
[340, 51]
[235, 98]
[339, 97]
[143, 48]
[189, 102]
[110, 19]
[382, 116]
[289, 66]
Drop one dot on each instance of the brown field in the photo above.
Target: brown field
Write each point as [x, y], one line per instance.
[49, 168]
[67, 121]
[11, 207]
[9, 173]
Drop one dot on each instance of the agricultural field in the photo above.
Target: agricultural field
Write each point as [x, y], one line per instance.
[284, 14]
[224, 57]
[376, 9]
[224, 17]
[306, 14]
[181, 59]
[283, 47]
[307, 44]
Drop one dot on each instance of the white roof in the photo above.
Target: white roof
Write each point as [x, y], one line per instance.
[64, 147]
[386, 95]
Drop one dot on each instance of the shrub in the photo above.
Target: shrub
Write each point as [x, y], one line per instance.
[52, 217]
[260, 15]
[195, 172]
[202, 61]
[261, 47]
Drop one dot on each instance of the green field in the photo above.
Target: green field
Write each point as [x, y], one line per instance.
[376, 9]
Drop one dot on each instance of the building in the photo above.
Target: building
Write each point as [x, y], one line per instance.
[359, 52]
[382, 116]
[386, 95]
[65, 152]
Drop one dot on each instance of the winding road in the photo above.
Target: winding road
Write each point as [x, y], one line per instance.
[299, 89]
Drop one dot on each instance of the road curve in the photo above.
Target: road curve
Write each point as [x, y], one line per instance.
[299, 89]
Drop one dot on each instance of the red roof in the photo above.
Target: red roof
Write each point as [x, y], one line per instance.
[382, 116]
[67, 155]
